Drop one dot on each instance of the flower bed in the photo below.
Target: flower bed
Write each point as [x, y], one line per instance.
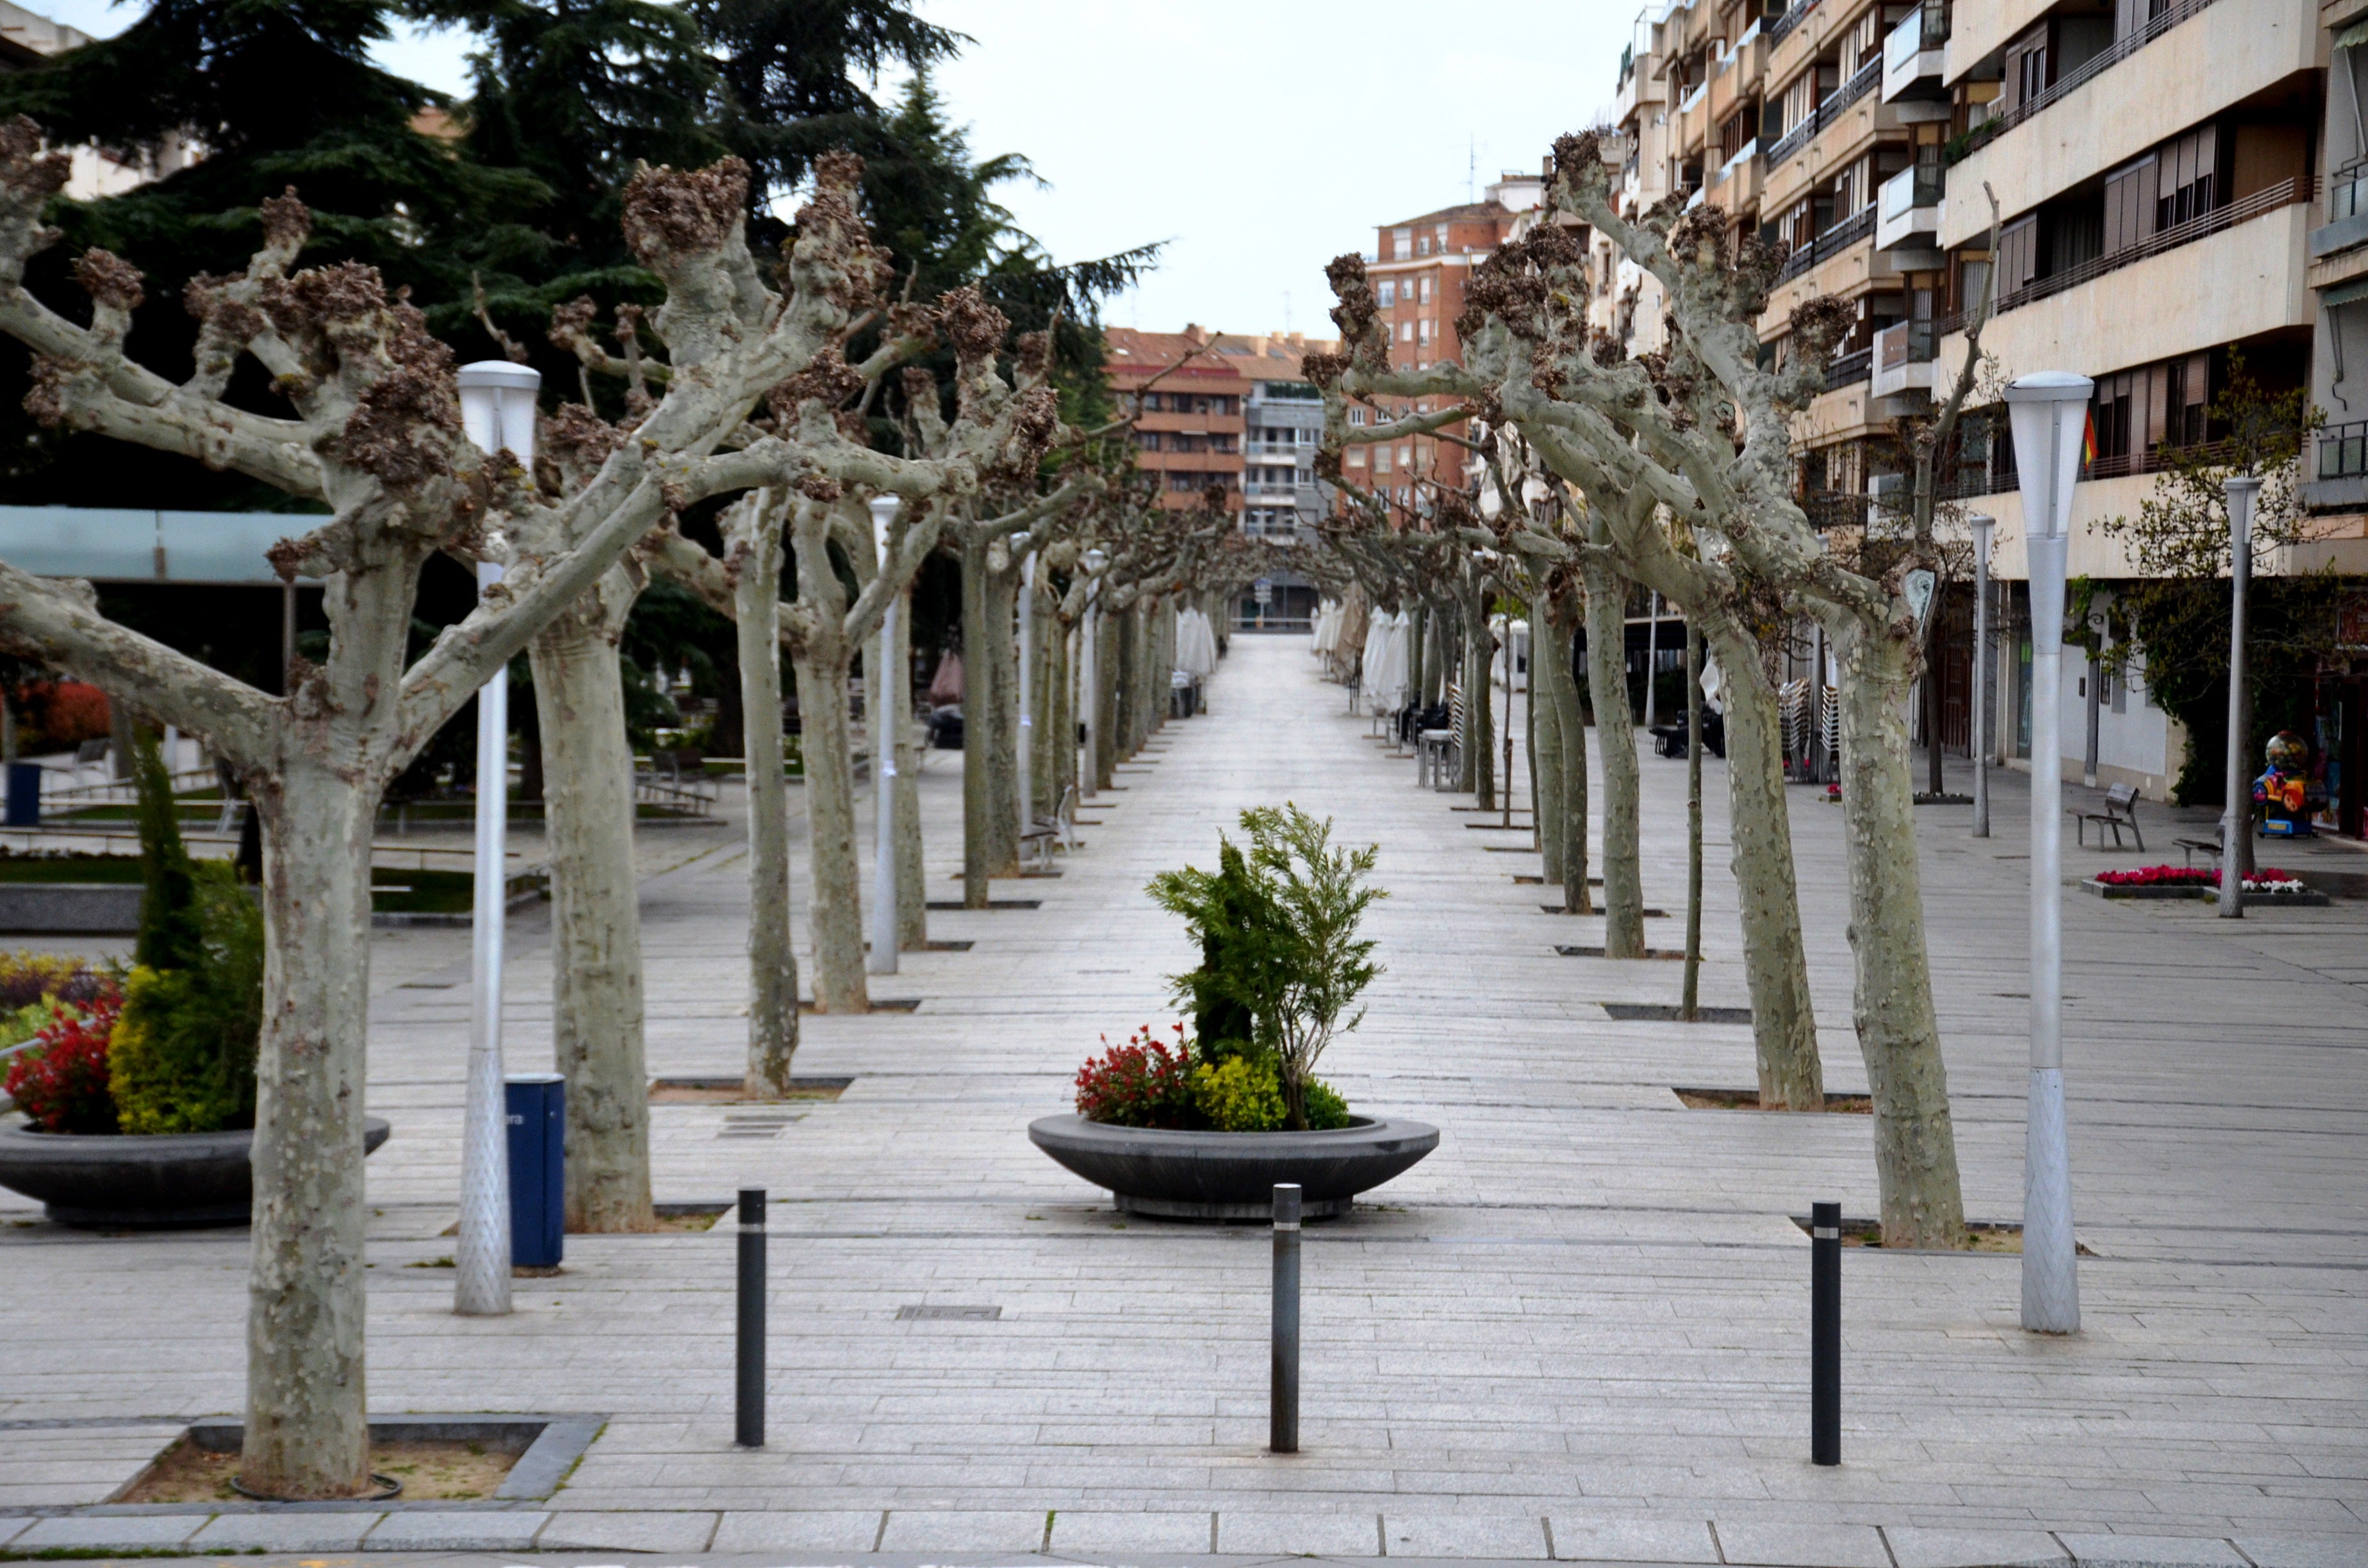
[2267, 884]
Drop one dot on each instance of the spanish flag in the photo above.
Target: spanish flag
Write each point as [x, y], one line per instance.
[2088, 439]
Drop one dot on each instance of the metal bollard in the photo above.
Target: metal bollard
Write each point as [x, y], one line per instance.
[750, 1428]
[1282, 1424]
[1825, 1333]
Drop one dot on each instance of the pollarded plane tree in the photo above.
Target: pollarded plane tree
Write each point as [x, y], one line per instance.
[1645, 544]
[1001, 430]
[373, 432]
[1704, 429]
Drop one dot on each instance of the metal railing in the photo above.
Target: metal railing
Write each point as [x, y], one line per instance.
[1782, 27]
[2347, 192]
[2088, 71]
[2268, 198]
[1832, 243]
[1848, 369]
[1865, 80]
[2155, 459]
[2343, 451]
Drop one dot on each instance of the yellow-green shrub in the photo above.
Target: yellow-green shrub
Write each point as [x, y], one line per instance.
[1242, 1094]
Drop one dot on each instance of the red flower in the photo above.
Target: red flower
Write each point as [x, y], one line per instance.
[62, 1081]
[1141, 1084]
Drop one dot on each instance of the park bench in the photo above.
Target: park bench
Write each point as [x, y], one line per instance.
[2121, 811]
[1043, 833]
[2191, 847]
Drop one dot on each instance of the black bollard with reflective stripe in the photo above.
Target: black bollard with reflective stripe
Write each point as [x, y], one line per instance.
[750, 1400]
[1825, 1333]
[1282, 1424]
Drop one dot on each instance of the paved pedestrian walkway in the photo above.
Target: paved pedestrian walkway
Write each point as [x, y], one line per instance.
[1578, 1329]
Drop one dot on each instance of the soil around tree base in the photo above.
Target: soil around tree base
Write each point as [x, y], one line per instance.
[430, 1472]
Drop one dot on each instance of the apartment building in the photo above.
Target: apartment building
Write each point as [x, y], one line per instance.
[1419, 268]
[2181, 187]
[1189, 431]
[1284, 420]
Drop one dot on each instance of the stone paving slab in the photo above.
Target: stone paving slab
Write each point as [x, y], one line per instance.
[673, 1532]
[1914, 1547]
[1508, 1537]
[102, 1533]
[955, 1529]
[2151, 1552]
[1803, 1546]
[306, 1532]
[1299, 1535]
[1076, 1534]
[455, 1529]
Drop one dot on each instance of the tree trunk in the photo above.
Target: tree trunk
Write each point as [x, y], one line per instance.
[1915, 1144]
[596, 927]
[979, 837]
[1547, 810]
[307, 1427]
[1775, 960]
[1479, 702]
[835, 907]
[1615, 737]
[912, 877]
[1570, 729]
[772, 943]
[1103, 753]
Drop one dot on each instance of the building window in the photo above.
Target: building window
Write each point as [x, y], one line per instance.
[1388, 292]
[1356, 458]
[1401, 242]
[1357, 416]
[1422, 330]
[1147, 441]
[1381, 460]
[1425, 291]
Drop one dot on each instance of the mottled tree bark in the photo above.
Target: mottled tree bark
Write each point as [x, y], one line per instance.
[1570, 736]
[912, 877]
[595, 922]
[754, 535]
[1775, 960]
[1899, 1034]
[1615, 738]
[823, 654]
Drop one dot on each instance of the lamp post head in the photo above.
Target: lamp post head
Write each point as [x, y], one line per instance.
[1985, 528]
[2047, 410]
[498, 405]
[1018, 541]
[883, 508]
[1096, 560]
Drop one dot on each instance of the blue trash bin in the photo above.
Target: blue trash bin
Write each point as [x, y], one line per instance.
[536, 1103]
[24, 794]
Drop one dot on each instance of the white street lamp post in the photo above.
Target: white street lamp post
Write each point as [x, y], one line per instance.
[1983, 526]
[497, 412]
[2237, 816]
[1091, 659]
[883, 701]
[2047, 410]
[1027, 667]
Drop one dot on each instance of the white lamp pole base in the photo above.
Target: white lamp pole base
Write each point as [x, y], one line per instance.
[2051, 1280]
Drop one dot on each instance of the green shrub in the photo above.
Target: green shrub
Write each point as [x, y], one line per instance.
[1241, 1094]
[1325, 1109]
[182, 1059]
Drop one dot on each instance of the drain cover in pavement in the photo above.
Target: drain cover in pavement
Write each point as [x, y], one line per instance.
[953, 1314]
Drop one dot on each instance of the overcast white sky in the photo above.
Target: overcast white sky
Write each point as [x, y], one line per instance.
[1259, 139]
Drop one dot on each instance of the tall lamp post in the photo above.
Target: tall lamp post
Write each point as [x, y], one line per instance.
[497, 411]
[1027, 677]
[2237, 818]
[883, 701]
[1983, 527]
[1090, 658]
[2047, 410]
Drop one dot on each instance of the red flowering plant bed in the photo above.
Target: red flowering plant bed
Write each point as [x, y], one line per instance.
[1144, 1082]
[2197, 881]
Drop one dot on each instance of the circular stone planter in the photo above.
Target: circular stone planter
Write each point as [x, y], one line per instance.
[117, 1182]
[1232, 1176]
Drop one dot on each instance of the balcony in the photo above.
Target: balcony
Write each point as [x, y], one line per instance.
[1902, 359]
[2074, 80]
[2347, 212]
[1848, 369]
[1862, 83]
[1914, 53]
[1850, 231]
[1908, 210]
[1735, 184]
[2270, 198]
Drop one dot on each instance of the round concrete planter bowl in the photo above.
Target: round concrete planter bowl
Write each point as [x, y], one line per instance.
[117, 1182]
[1232, 1176]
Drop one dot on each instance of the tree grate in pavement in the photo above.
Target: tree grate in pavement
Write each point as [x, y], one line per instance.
[917, 1313]
[1668, 1013]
